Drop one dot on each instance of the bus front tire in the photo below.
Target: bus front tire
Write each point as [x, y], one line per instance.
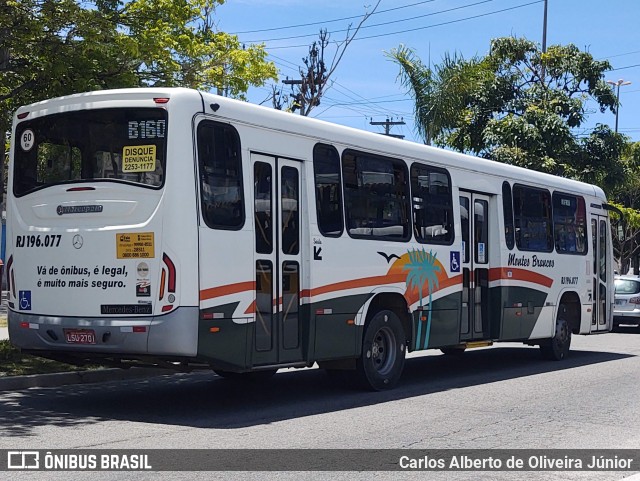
[557, 348]
[380, 365]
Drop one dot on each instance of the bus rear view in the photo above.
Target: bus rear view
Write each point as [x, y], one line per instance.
[90, 274]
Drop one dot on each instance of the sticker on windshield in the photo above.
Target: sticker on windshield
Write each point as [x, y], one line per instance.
[139, 158]
[27, 140]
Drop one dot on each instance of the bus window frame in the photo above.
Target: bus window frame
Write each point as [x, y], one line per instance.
[200, 182]
[585, 225]
[448, 207]
[508, 216]
[316, 148]
[407, 236]
[550, 239]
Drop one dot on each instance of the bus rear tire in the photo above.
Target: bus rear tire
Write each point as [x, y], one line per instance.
[380, 365]
[557, 348]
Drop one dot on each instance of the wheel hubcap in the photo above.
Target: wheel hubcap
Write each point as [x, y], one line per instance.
[383, 350]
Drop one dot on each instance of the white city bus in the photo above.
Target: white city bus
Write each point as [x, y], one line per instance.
[171, 227]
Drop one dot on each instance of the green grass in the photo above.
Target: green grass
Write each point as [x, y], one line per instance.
[15, 363]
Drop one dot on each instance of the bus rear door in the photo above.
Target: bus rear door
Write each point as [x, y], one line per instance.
[601, 296]
[475, 216]
[277, 224]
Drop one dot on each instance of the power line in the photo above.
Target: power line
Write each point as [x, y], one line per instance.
[297, 67]
[619, 68]
[323, 22]
[356, 96]
[364, 103]
[369, 107]
[375, 24]
[339, 104]
[430, 26]
[623, 54]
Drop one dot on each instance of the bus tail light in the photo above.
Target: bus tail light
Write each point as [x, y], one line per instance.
[167, 281]
[171, 269]
[163, 279]
[10, 280]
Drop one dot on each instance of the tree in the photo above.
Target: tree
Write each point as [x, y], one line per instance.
[626, 236]
[57, 47]
[440, 93]
[626, 197]
[178, 44]
[316, 74]
[520, 106]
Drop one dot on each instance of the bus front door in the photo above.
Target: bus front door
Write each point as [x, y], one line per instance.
[276, 220]
[600, 296]
[474, 216]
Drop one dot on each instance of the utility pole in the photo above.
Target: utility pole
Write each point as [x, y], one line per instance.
[635, 262]
[544, 39]
[387, 127]
[544, 29]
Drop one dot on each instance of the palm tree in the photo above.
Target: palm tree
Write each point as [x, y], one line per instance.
[422, 268]
[442, 93]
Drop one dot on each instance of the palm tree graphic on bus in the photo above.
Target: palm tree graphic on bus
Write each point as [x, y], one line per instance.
[422, 268]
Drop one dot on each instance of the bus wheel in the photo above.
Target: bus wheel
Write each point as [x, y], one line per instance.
[380, 365]
[251, 376]
[557, 348]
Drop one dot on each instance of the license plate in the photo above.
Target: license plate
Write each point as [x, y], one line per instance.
[621, 302]
[80, 336]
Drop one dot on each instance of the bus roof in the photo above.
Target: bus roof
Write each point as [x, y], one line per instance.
[321, 131]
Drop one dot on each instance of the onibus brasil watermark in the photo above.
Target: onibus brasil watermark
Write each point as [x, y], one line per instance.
[370, 460]
[27, 460]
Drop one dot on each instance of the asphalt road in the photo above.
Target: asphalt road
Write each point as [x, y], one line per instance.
[503, 397]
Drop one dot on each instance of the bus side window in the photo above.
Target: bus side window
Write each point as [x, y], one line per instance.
[326, 171]
[507, 209]
[432, 204]
[220, 168]
[532, 215]
[569, 223]
[376, 194]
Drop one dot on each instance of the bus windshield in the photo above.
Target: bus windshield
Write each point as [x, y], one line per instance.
[122, 145]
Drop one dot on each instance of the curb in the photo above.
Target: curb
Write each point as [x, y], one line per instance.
[17, 383]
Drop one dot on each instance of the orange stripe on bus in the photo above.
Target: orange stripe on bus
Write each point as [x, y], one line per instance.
[502, 273]
[226, 290]
[251, 309]
[355, 284]
[495, 274]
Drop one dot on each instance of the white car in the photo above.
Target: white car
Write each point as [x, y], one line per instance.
[627, 301]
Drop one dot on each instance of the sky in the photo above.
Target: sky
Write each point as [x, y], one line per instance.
[365, 85]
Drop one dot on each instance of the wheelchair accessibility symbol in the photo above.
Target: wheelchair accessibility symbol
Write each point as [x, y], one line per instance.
[454, 258]
[24, 298]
